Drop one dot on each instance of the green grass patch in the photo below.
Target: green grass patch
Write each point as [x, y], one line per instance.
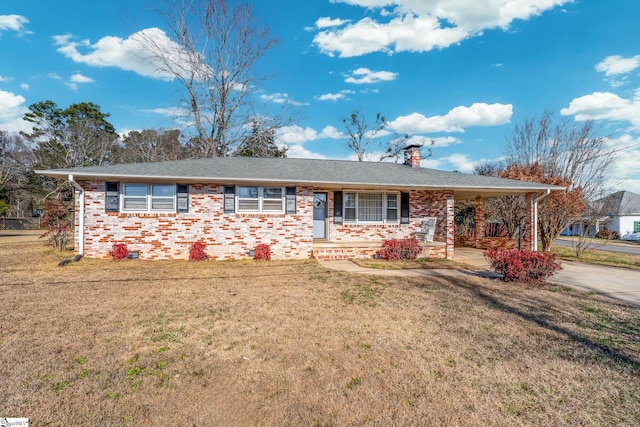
[593, 256]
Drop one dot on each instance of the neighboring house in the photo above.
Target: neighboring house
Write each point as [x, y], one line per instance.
[301, 208]
[623, 212]
[619, 212]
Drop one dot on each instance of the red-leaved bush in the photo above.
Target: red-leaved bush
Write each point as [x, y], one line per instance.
[119, 251]
[405, 249]
[58, 220]
[262, 252]
[197, 253]
[523, 266]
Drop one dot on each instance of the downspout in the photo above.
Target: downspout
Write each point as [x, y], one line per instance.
[535, 218]
[81, 216]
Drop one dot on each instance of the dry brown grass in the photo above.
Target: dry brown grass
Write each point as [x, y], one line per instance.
[418, 263]
[289, 343]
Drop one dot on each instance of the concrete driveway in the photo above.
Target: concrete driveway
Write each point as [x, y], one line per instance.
[614, 282]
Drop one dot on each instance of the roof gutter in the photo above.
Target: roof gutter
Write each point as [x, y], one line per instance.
[81, 215]
[535, 217]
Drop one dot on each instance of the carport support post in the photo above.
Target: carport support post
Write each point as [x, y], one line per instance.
[480, 222]
[529, 235]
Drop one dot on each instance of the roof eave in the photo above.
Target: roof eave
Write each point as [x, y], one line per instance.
[462, 191]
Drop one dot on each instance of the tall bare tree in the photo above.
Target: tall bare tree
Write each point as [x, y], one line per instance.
[564, 149]
[15, 168]
[213, 56]
[363, 135]
[558, 152]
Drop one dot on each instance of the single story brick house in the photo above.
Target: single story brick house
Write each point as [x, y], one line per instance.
[301, 208]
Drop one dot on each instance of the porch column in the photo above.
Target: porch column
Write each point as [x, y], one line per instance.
[529, 238]
[480, 222]
[450, 224]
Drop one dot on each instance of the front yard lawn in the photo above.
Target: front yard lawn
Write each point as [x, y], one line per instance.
[289, 343]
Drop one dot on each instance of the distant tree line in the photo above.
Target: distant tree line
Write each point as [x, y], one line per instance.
[81, 135]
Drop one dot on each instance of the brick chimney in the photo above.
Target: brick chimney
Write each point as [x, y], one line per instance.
[412, 156]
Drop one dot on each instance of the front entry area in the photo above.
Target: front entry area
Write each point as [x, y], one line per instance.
[320, 216]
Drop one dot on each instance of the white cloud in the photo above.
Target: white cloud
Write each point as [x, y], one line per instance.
[478, 114]
[431, 163]
[343, 94]
[12, 109]
[461, 162]
[606, 106]
[281, 98]
[616, 64]
[297, 151]
[330, 132]
[55, 76]
[625, 174]
[326, 22]
[24, 86]
[14, 23]
[131, 54]
[437, 142]
[295, 134]
[4, 79]
[79, 78]
[420, 26]
[169, 112]
[367, 76]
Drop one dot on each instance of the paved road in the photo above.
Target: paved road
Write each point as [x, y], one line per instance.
[630, 249]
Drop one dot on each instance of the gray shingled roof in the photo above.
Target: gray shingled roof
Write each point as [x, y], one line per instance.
[322, 173]
[621, 203]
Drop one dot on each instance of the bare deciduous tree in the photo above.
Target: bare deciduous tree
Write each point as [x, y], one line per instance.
[214, 50]
[564, 149]
[362, 134]
[557, 152]
[15, 166]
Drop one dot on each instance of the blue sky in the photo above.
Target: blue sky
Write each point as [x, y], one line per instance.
[458, 72]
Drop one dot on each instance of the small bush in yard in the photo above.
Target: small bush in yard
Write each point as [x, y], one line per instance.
[262, 252]
[58, 220]
[119, 251]
[608, 234]
[405, 249]
[197, 253]
[523, 266]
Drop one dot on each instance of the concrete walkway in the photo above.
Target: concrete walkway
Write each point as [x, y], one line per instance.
[613, 282]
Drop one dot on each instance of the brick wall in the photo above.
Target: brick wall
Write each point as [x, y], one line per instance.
[423, 204]
[230, 236]
[169, 235]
